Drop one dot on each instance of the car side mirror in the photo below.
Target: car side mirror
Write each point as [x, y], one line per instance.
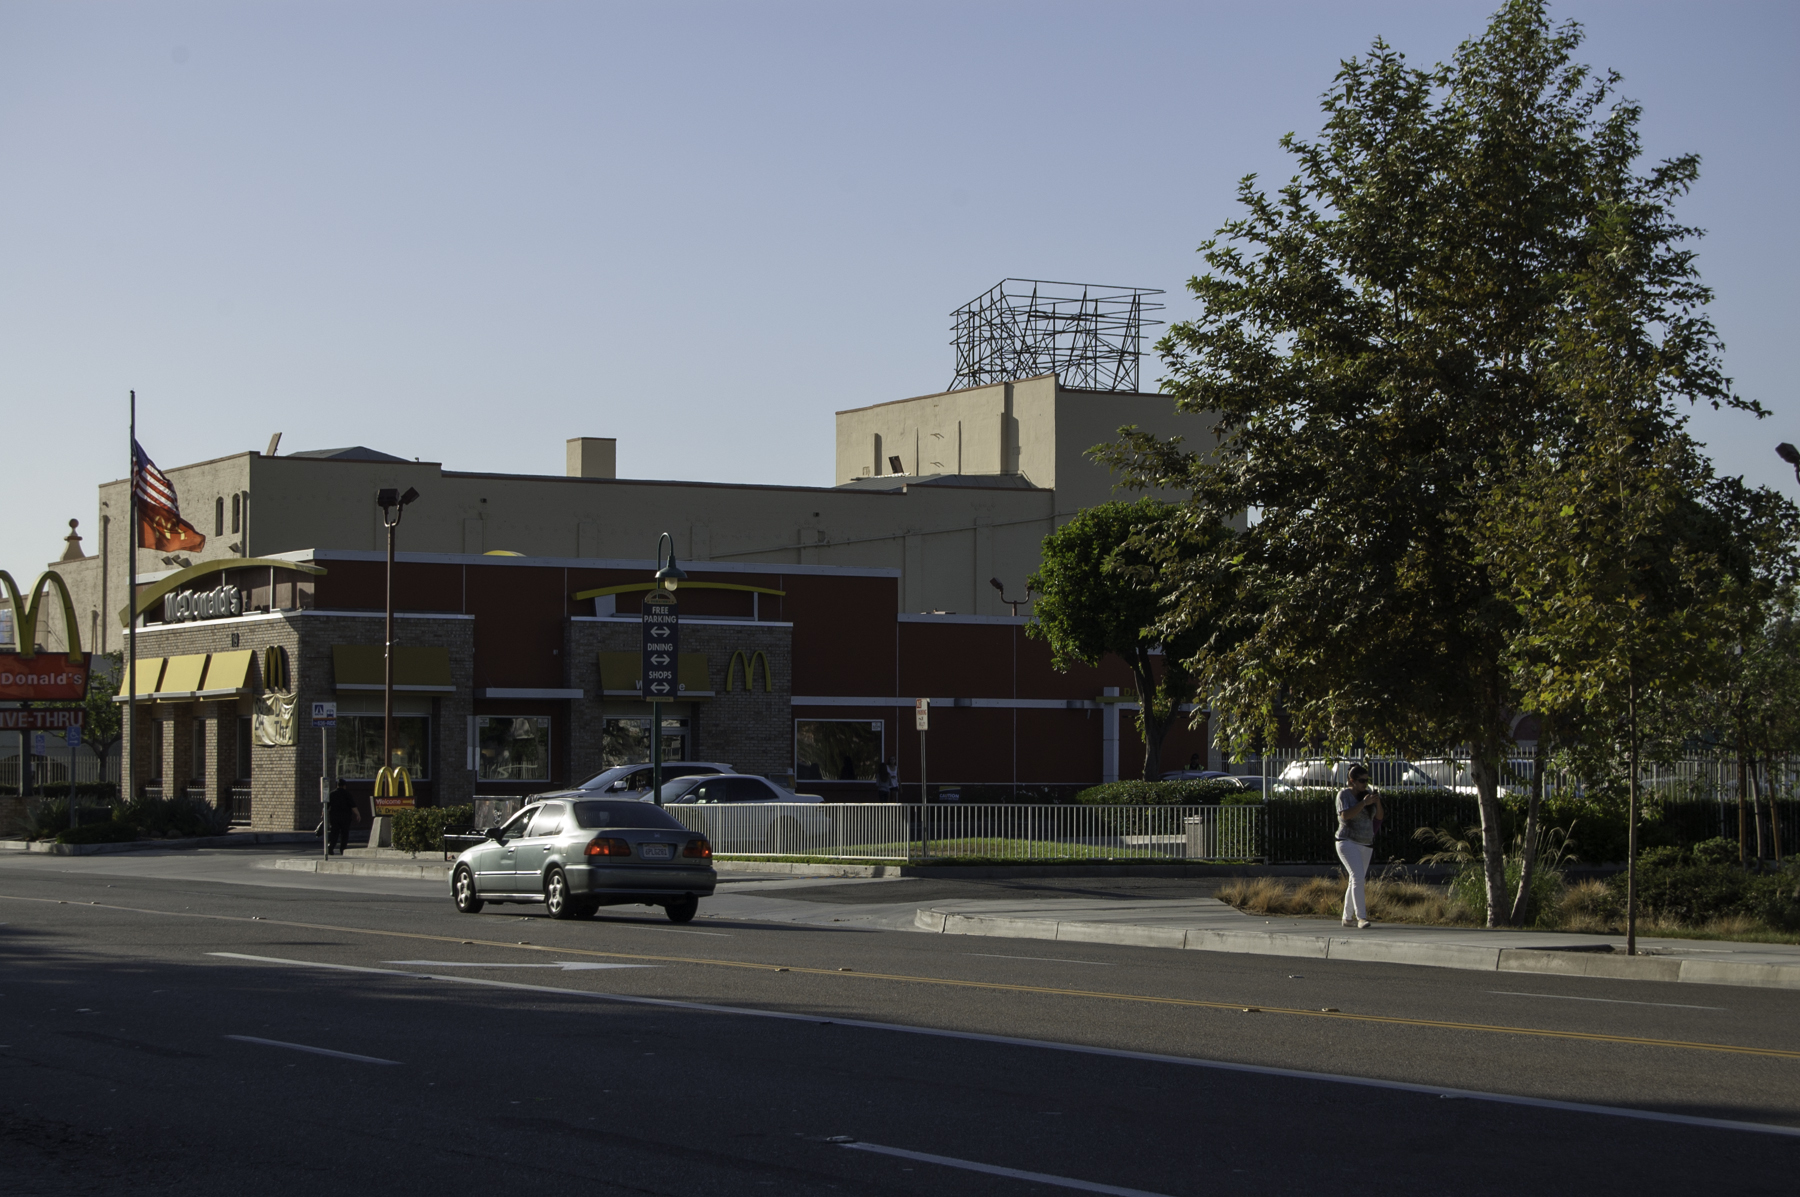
[493, 833]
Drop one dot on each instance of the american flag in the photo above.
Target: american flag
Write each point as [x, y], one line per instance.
[160, 525]
[153, 486]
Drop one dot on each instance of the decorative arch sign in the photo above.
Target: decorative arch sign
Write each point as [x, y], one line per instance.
[28, 675]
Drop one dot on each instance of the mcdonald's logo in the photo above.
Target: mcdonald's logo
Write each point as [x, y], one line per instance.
[25, 615]
[275, 669]
[392, 782]
[749, 663]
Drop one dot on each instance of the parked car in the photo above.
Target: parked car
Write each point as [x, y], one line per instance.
[633, 781]
[1195, 775]
[1453, 774]
[1388, 773]
[758, 815]
[576, 856]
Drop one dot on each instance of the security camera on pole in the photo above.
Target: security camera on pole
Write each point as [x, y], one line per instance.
[661, 669]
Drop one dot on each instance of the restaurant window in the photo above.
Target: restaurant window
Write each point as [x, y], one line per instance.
[837, 749]
[237, 512]
[359, 744]
[627, 741]
[197, 763]
[512, 747]
[219, 516]
[243, 748]
[156, 749]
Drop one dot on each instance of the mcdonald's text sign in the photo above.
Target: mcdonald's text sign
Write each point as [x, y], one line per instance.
[47, 675]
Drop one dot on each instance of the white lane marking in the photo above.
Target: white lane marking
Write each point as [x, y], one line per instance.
[1566, 997]
[1042, 1178]
[317, 1051]
[1541, 1103]
[1049, 959]
[567, 966]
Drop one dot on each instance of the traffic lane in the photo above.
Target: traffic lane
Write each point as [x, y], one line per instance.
[1647, 1009]
[235, 867]
[1661, 1077]
[687, 1101]
[944, 889]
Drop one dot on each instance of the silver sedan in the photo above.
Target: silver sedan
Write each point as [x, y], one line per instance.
[577, 855]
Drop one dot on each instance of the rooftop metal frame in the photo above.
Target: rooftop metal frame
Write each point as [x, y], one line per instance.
[1090, 336]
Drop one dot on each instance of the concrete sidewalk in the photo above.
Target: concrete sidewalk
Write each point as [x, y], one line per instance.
[1209, 925]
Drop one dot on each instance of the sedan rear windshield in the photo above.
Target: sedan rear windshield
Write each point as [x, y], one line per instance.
[624, 814]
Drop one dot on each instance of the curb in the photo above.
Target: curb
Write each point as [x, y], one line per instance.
[361, 868]
[798, 869]
[1567, 962]
[242, 839]
[1001, 872]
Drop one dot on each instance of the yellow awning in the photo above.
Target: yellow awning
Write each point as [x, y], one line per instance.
[361, 667]
[229, 672]
[181, 675]
[149, 673]
[623, 673]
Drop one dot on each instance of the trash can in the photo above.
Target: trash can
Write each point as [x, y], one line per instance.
[1199, 836]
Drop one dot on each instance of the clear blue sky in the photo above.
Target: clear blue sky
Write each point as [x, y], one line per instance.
[467, 232]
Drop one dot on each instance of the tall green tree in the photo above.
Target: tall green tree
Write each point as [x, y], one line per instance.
[1101, 590]
[101, 721]
[1385, 344]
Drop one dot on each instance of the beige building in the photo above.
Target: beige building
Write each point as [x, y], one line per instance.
[950, 489]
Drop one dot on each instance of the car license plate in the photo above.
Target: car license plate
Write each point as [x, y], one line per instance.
[659, 851]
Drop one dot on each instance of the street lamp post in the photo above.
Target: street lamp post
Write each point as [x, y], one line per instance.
[393, 506]
[668, 577]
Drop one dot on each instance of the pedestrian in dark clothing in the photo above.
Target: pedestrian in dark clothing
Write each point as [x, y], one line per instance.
[341, 808]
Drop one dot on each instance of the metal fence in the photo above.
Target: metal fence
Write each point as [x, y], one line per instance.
[1011, 832]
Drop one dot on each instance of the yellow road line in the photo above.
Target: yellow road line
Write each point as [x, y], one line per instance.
[907, 978]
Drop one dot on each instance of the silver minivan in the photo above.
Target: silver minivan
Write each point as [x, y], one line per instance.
[577, 855]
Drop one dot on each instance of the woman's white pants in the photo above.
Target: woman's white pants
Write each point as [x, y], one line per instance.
[1356, 859]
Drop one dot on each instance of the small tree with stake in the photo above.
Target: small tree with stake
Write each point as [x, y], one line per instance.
[1101, 590]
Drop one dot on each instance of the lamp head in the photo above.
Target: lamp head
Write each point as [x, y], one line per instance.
[995, 583]
[1788, 453]
[409, 496]
[387, 497]
[670, 576]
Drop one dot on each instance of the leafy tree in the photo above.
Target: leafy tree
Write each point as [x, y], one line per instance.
[101, 726]
[1390, 341]
[1101, 591]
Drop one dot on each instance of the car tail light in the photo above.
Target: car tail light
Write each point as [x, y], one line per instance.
[697, 848]
[602, 845]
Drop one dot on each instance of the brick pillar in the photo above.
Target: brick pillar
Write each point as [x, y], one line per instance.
[221, 752]
[178, 750]
[137, 762]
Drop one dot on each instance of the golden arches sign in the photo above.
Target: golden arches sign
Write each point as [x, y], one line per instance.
[392, 781]
[275, 669]
[25, 615]
[749, 664]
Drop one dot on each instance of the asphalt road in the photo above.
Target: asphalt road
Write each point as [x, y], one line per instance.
[164, 1022]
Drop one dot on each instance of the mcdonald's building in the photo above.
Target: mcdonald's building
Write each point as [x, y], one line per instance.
[514, 675]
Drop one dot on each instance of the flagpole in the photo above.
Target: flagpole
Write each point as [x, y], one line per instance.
[131, 616]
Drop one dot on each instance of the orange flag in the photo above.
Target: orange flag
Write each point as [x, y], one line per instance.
[160, 525]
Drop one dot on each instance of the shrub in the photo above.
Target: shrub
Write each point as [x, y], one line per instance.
[86, 791]
[183, 816]
[1673, 891]
[97, 833]
[422, 829]
[1210, 792]
[1717, 850]
[47, 819]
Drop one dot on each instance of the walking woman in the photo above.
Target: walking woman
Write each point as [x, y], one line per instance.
[1358, 809]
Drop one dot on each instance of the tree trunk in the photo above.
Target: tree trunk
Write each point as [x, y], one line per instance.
[1756, 817]
[1153, 725]
[1774, 818]
[1484, 768]
[1528, 858]
[1743, 822]
[1631, 826]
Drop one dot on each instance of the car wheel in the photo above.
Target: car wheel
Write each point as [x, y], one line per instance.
[463, 887]
[556, 895]
[682, 910]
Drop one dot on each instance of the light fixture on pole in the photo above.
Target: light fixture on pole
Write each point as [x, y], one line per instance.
[390, 778]
[1013, 603]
